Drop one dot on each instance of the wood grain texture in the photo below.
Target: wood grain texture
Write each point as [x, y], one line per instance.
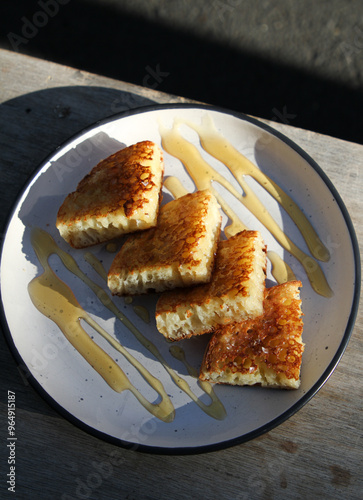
[317, 453]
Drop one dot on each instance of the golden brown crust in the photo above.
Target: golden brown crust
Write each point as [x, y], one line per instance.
[183, 242]
[232, 270]
[121, 180]
[122, 187]
[180, 227]
[235, 291]
[270, 344]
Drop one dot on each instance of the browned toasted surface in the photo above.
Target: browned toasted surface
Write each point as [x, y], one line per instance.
[121, 181]
[183, 241]
[235, 291]
[270, 345]
[232, 270]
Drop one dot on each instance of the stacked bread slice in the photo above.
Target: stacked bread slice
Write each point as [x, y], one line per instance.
[234, 293]
[120, 195]
[178, 252]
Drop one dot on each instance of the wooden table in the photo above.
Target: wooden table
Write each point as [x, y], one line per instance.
[315, 454]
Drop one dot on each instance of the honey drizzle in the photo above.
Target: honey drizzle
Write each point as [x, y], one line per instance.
[215, 409]
[53, 298]
[281, 271]
[39, 290]
[220, 412]
[141, 311]
[201, 172]
[217, 146]
[96, 264]
[204, 175]
[174, 185]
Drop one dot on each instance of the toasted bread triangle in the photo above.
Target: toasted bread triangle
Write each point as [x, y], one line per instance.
[120, 195]
[178, 252]
[266, 350]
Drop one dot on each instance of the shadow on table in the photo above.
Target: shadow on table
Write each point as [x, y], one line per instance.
[116, 43]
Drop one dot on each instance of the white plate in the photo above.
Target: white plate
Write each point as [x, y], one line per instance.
[66, 380]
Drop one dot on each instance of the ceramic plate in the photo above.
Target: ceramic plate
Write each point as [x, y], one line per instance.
[75, 389]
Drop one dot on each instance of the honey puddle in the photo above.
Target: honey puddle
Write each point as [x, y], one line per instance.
[53, 298]
[203, 175]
